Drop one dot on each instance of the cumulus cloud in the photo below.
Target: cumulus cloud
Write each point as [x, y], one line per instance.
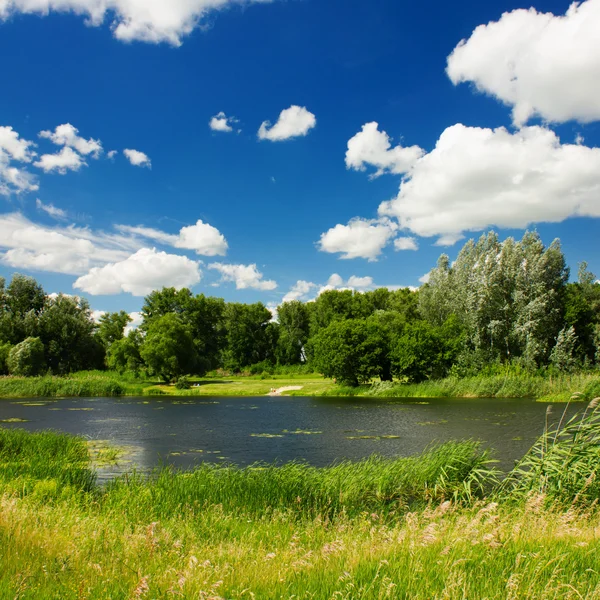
[295, 121]
[61, 162]
[244, 276]
[360, 283]
[111, 154]
[221, 122]
[67, 135]
[137, 158]
[476, 178]
[13, 148]
[299, 290]
[406, 243]
[136, 320]
[203, 238]
[538, 63]
[152, 21]
[51, 210]
[141, 273]
[373, 147]
[70, 250]
[425, 278]
[360, 238]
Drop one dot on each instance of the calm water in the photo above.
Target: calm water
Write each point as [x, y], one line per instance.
[184, 431]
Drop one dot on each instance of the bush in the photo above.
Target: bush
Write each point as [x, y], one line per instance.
[183, 383]
[27, 358]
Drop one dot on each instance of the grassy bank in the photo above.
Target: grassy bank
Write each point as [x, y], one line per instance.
[103, 383]
[548, 389]
[435, 526]
[106, 383]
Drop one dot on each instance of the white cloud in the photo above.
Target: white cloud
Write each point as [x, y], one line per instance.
[221, 122]
[136, 320]
[373, 147]
[70, 250]
[137, 158]
[51, 210]
[14, 148]
[65, 160]
[538, 63]
[406, 243]
[476, 178]
[111, 154]
[140, 274]
[299, 290]
[67, 135]
[360, 238]
[151, 21]
[97, 315]
[335, 281]
[360, 283]
[244, 276]
[203, 238]
[294, 121]
[425, 278]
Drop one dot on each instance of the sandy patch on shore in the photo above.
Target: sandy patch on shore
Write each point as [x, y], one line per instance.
[289, 388]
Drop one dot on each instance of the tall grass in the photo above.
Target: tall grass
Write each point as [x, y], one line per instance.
[45, 464]
[563, 464]
[556, 388]
[459, 471]
[84, 384]
[418, 528]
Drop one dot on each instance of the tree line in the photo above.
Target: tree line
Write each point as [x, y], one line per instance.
[499, 303]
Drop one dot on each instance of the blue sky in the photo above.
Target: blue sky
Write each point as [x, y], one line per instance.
[150, 75]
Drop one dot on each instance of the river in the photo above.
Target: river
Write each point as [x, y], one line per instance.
[183, 431]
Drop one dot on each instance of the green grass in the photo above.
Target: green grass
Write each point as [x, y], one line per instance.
[548, 389]
[105, 383]
[418, 528]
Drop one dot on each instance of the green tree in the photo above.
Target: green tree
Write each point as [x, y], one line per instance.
[124, 355]
[20, 305]
[112, 327]
[249, 338]
[352, 351]
[27, 358]
[294, 322]
[5, 349]
[168, 348]
[66, 329]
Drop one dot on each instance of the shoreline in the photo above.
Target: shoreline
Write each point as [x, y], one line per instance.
[585, 387]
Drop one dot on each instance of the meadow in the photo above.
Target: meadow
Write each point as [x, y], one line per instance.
[441, 525]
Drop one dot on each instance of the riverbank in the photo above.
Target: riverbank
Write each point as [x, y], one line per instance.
[423, 527]
[109, 384]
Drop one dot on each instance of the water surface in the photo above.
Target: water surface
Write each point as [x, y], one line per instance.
[184, 431]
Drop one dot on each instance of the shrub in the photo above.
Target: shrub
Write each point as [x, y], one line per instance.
[27, 358]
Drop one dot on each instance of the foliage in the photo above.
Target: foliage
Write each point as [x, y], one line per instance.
[27, 358]
[352, 351]
[4, 352]
[168, 348]
[562, 356]
[249, 335]
[67, 331]
[294, 323]
[112, 327]
[183, 383]
[124, 355]
[509, 295]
